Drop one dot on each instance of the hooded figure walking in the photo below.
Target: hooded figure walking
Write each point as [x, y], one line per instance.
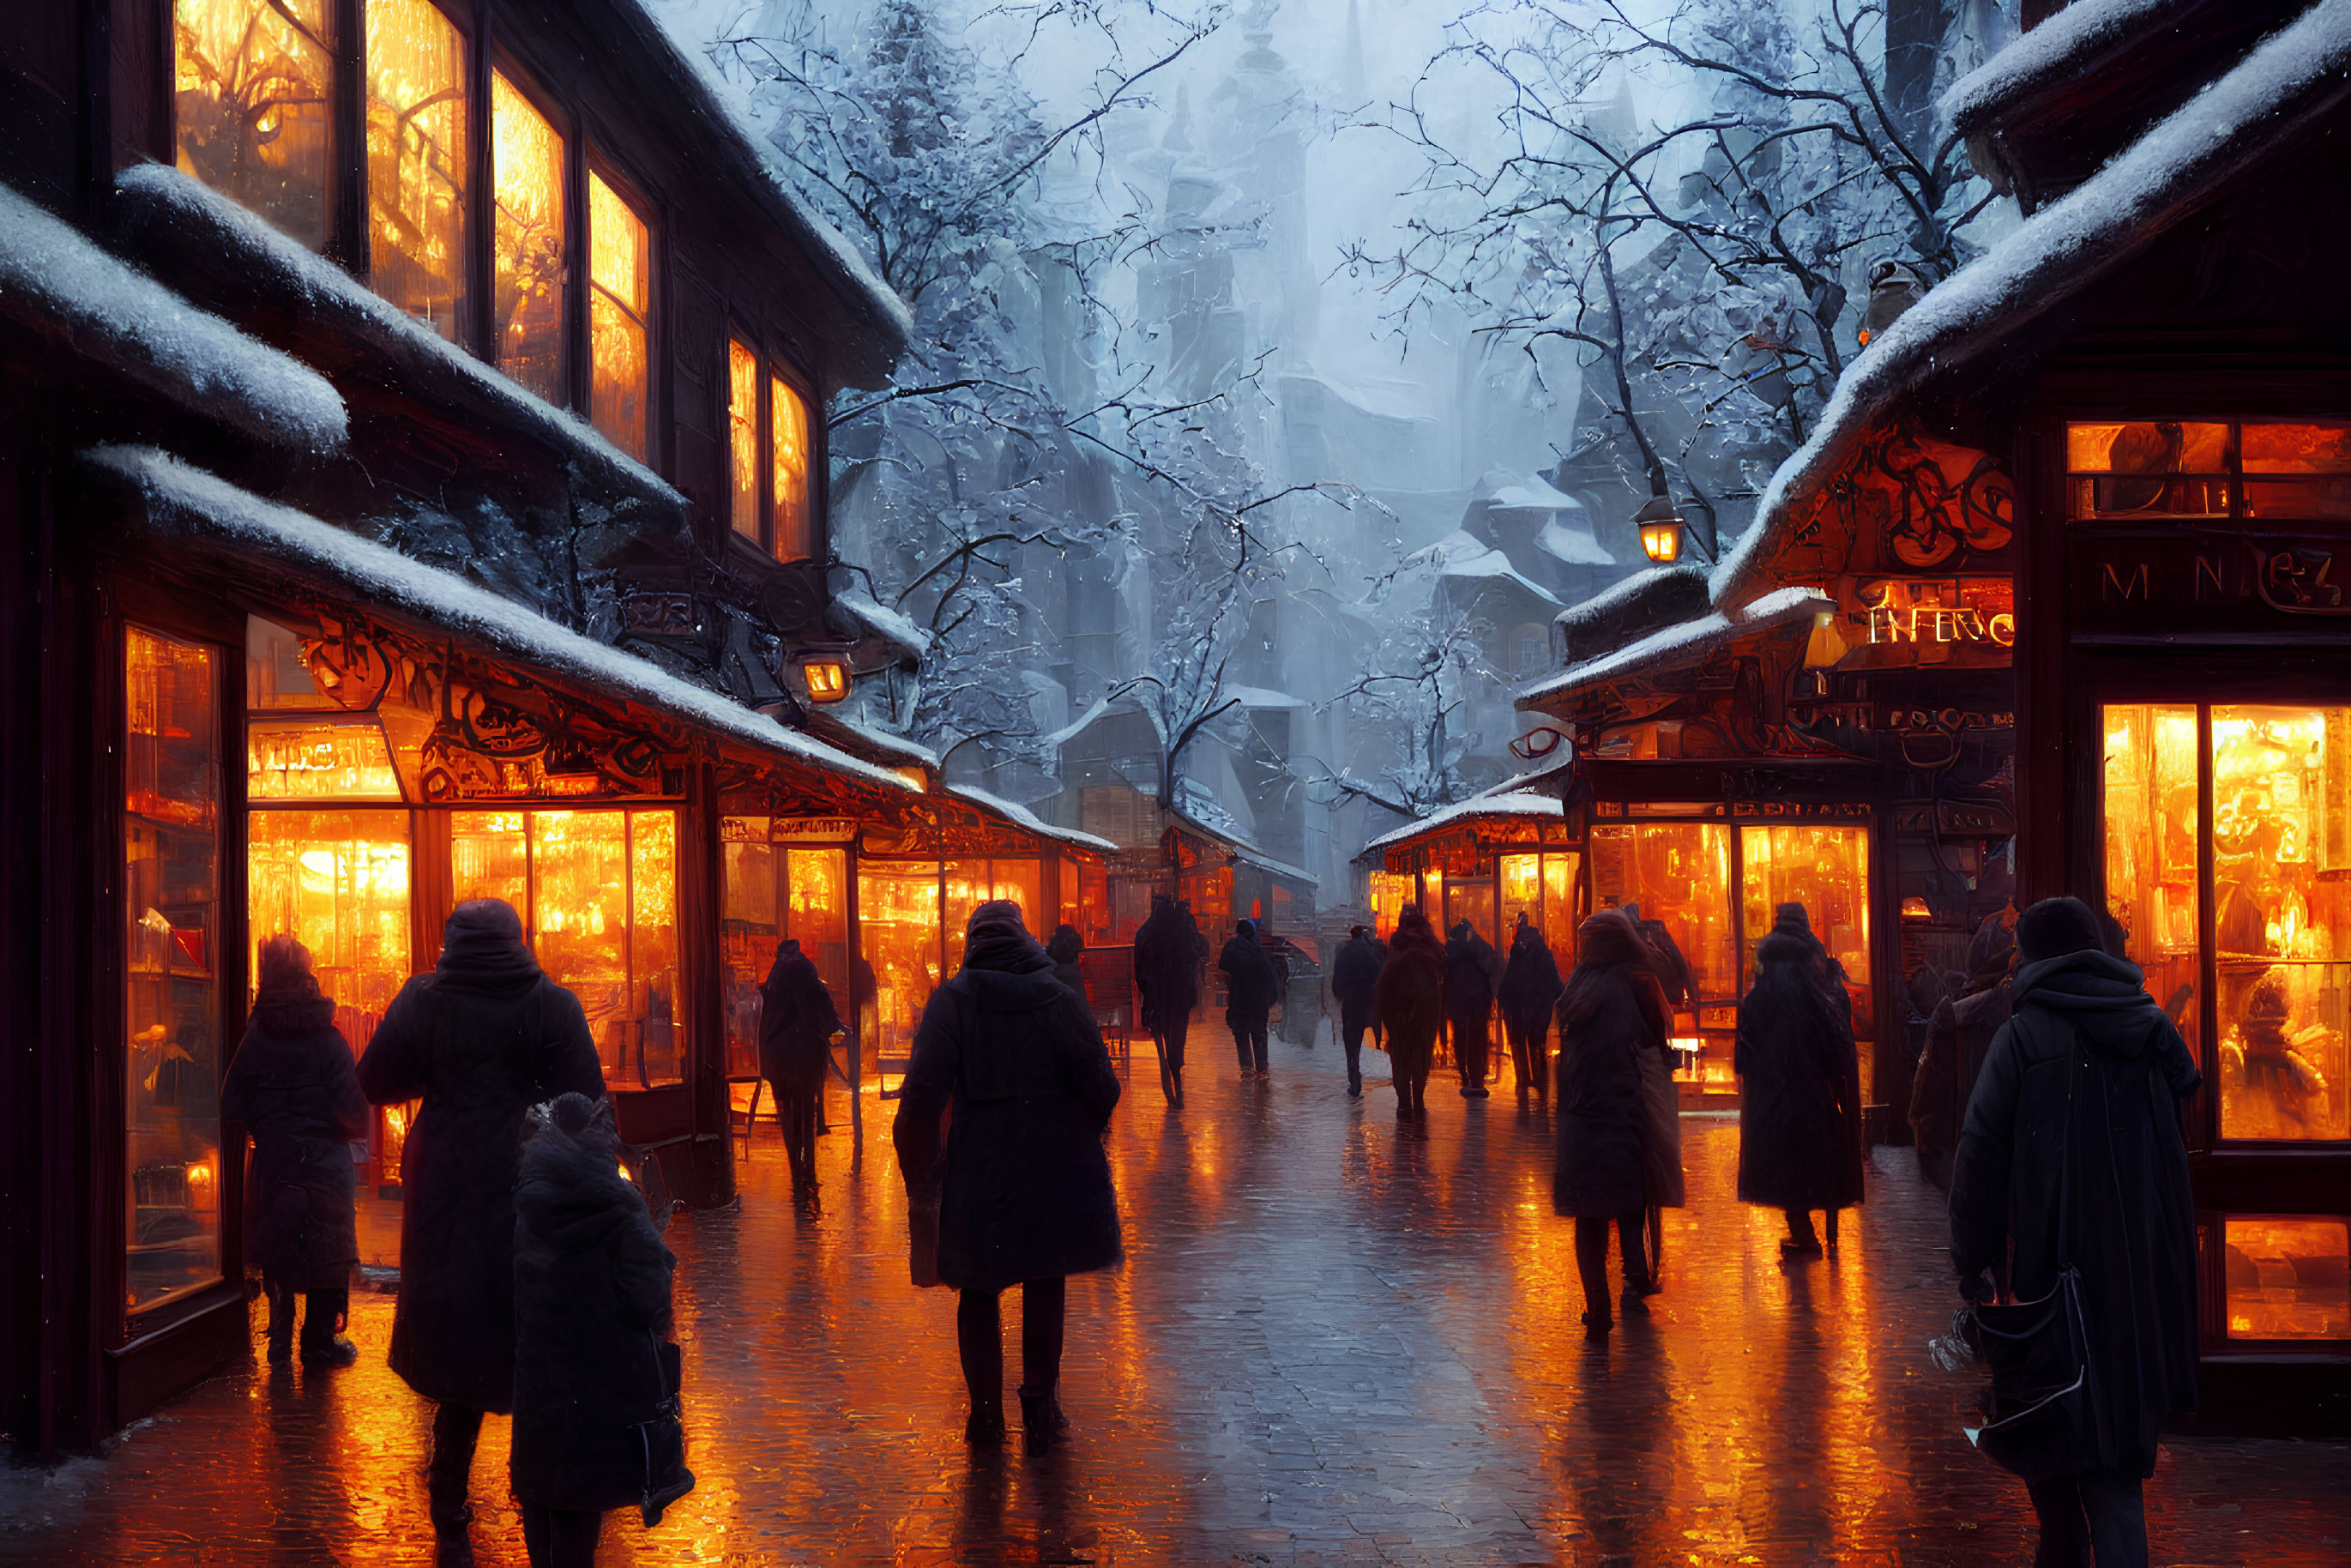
[1410, 995]
[1800, 1086]
[797, 1023]
[1020, 1181]
[1066, 948]
[1252, 988]
[1612, 1011]
[1469, 965]
[591, 1318]
[480, 1041]
[2078, 1103]
[1169, 952]
[1354, 981]
[293, 1087]
[1529, 991]
[1959, 1036]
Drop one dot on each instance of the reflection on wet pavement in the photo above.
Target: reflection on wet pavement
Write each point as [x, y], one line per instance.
[1334, 1341]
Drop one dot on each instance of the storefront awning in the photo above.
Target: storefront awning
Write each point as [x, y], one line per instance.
[1021, 817]
[1686, 642]
[1240, 850]
[1513, 805]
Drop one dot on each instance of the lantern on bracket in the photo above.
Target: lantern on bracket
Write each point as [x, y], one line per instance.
[828, 679]
[1660, 525]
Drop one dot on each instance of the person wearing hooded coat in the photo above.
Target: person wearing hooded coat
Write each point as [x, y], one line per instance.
[2079, 1097]
[1410, 995]
[797, 1023]
[1252, 988]
[1065, 948]
[591, 1311]
[1469, 965]
[1020, 1181]
[1354, 981]
[480, 1041]
[1529, 991]
[1800, 1086]
[1958, 1035]
[293, 1087]
[1168, 950]
[1612, 1011]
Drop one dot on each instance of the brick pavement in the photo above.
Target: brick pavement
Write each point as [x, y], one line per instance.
[1334, 1341]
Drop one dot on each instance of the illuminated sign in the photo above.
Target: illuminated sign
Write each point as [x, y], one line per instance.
[1940, 612]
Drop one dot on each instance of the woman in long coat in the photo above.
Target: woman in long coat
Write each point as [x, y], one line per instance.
[293, 1087]
[1410, 994]
[1529, 991]
[1612, 1011]
[797, 1023]
[480, 1041]
[1168, 948]
[1020, 1182]
[1800, 1086]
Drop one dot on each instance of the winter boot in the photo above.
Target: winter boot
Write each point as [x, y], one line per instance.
[1041, 1419]
[1177, 1075]
[447, 1478]
[984, 1428]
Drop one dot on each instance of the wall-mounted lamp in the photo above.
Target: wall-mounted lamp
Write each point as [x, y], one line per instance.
[1661, 530]
[828, 680]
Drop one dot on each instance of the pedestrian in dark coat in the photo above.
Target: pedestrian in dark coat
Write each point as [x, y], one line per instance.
[1529, 991]
[1252, 988]
[1168, 951]
[1469, 970]
[1354, 981]
[480, 1041]
[1410, 995]
[1672, 968]
[1023, 1189]
[2079, 1100]
[293, 1087]
[1612, 1011]
[1800, 1086]
[1065, 949]
[797, 1023]
[591, 1314]
[1958, 1036]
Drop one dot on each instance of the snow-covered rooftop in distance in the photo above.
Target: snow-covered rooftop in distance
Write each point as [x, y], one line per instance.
[1021, 816]
[191, 495]
[2059, 251]
[1195, 815]
[130, 323]
[2055, 50]
[1511, 803]
[1460, 554]
[1577, 547]
[1683, 639]
[1529, 493]
[1261, 698]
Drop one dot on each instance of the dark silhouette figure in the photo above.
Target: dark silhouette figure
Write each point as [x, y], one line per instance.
[293, 1087]
[1958, 1036]
[1065, 949]
[1612, 1011]
[1410, 995]
[480, 1041]
[1470, 968]
[1252, 988]
[591, 1314]
[2082, 1090]
[1671, 967]
[1023, 1189]
[1800, 1086]
[797, 1023]
[1529, 991]
[1354, 981]
[1169, 952]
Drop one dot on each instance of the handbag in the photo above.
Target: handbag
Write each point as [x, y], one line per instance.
[666, 1477]
[2043, 1394]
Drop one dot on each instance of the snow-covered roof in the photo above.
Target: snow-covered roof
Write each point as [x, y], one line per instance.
[1511, 803]
[1529, 493]
[1021, 816]
[1577, 547]
[2062, 248]
[1460, 554]
[1193, 814]
[1681, 641]
[173, 489]
[2059, 48]
[881, 621]
[1261, 698]
[61, 283]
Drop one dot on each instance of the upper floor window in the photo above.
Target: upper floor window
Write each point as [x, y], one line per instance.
[619, 254]
[767, 458]
[252, 90]
[793, 539]
[416, 159]
[743, 438]
[2158, 469]
[527, 241]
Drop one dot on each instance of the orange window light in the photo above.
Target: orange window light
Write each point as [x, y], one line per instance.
[743, 438]
[416, 159]
[788, 429]
[527, 241]
[252, 84]
[620, 266]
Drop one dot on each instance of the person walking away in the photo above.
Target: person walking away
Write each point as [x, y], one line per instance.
[1354, 981]
[1250, 991]
[591, 1318]
[480, 1041]
[1168, 948]
[1958, 1035]
[1410, 997]
[1612, 1010]
[797, 1023]
[1469, 1005]
[1065, 949]
[293, 1087]
[1800, 1086]
[1022, 1187]
[1529, 991]
[1672, 968]
[2078, 1104]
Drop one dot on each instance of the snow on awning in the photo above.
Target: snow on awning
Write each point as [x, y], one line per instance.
[1683, 643]
[2296, 73]
[60, 284]
[1511, 803]
[192, 497]
[1021, 816]
[1238, 848]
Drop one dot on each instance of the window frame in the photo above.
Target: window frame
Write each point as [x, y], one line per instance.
[353, 173]
[593, 161]
[2234, 474]
[770, 368]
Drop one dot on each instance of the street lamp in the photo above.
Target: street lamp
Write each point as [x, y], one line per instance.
[828, 679]
[1661, 530]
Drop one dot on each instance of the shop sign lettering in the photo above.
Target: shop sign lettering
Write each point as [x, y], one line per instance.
[1942, 612]
[2284, 577]
[813, 830]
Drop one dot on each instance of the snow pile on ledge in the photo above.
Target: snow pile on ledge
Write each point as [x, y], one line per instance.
[1022, 817]
[1514, 803]
[173, 489]
[2057, 48]
[890, 625]
[315, 278]
[126, 320]
[1577, 547]
[2060, 250]
[1683, 639]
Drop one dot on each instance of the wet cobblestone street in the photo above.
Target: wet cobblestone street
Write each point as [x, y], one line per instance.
[1334, 1339]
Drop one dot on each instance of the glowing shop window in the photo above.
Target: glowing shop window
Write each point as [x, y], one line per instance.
[1543, 888]
[1391, 895]
[2148, 469]
[172, 851]
[619, 269]
[2154, 822]
[276, 674]
[338, 881]
[344, 759]
[527, 241]
[416, 159]
[1470, 899]
[1679, 874]
[1827, 870]
[252, 83]
[787, 423]
[898, 930]
[2289, 1278]
[743, 438]
[2298, 470]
